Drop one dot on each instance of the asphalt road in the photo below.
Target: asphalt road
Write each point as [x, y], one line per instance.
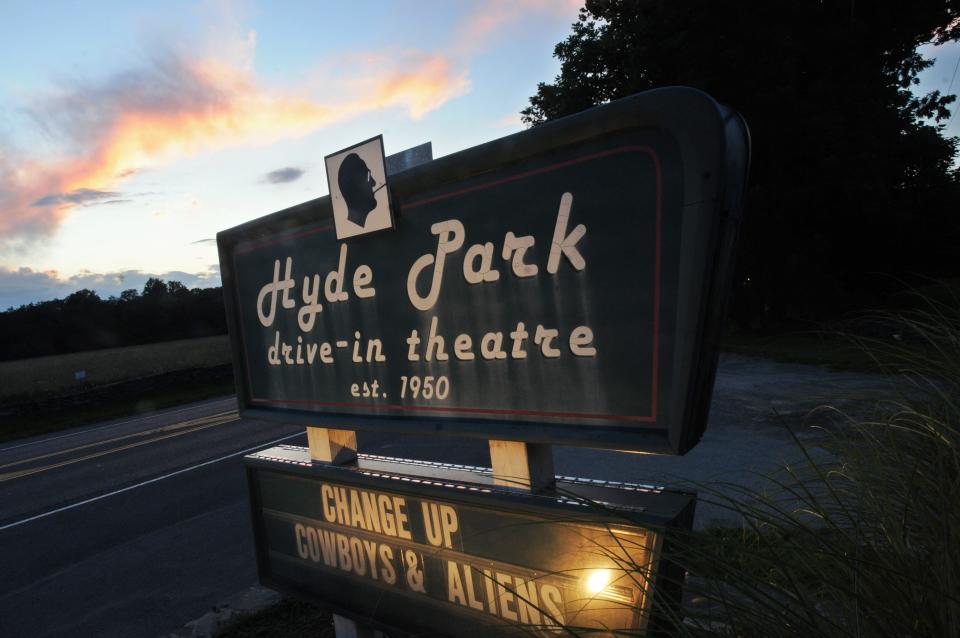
[137, 526]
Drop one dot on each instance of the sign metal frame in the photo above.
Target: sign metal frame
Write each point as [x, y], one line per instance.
[713, 145]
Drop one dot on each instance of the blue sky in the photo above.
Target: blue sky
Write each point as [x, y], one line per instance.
[130, 133]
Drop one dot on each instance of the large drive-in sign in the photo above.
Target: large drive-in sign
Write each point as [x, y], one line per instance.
[559, 285]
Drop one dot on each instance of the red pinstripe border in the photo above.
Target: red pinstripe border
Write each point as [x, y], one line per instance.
[655, 363]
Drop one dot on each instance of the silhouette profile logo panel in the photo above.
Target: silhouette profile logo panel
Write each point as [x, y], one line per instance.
[357, 178]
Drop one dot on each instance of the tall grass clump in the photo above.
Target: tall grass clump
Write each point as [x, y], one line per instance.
[861, 537]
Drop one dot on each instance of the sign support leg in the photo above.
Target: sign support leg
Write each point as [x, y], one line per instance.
[523, 466]
[338, 447]
[343, 627]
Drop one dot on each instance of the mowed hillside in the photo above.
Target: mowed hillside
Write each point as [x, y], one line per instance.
[58, 374]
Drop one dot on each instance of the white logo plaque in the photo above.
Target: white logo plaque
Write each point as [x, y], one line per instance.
[357, 179]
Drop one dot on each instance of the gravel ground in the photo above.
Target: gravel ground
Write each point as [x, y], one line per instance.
[756, 402]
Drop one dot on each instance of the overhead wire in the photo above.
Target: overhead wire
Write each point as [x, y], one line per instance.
[956, 107]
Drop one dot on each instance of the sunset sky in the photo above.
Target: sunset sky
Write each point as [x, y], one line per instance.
[130, 133]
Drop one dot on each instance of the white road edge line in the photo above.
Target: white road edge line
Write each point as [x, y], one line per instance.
[150, 415]
[147, 482]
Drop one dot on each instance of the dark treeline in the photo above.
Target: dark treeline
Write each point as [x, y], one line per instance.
[163, 311]
[854, 190]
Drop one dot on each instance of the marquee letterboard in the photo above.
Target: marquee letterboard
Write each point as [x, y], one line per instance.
[444, 558]
[561, 285]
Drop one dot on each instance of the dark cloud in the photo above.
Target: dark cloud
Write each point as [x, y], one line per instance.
[284, 175]
[49, 200]
[25, 285]
[79, 196]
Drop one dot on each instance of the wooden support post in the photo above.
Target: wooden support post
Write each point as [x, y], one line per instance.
[343, 627]
[337, 447]
[524, 466]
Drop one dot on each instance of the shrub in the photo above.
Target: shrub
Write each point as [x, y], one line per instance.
[862, 537]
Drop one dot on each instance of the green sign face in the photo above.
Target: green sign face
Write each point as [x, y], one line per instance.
[452, 558]
[560, 285]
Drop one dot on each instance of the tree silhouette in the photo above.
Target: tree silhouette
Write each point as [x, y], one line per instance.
[155, 287]
[852, 185]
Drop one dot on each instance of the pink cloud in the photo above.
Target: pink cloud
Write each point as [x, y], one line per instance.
[172, 108]
[511, 120]
[481, 25]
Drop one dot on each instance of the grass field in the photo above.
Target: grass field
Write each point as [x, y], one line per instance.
[113, 401]
[42, 377]
[43, 394]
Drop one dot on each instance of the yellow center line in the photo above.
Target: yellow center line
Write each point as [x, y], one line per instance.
[22, 473]
[163, 428]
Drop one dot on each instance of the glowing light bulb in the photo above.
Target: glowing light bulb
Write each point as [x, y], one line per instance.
[598, 580]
